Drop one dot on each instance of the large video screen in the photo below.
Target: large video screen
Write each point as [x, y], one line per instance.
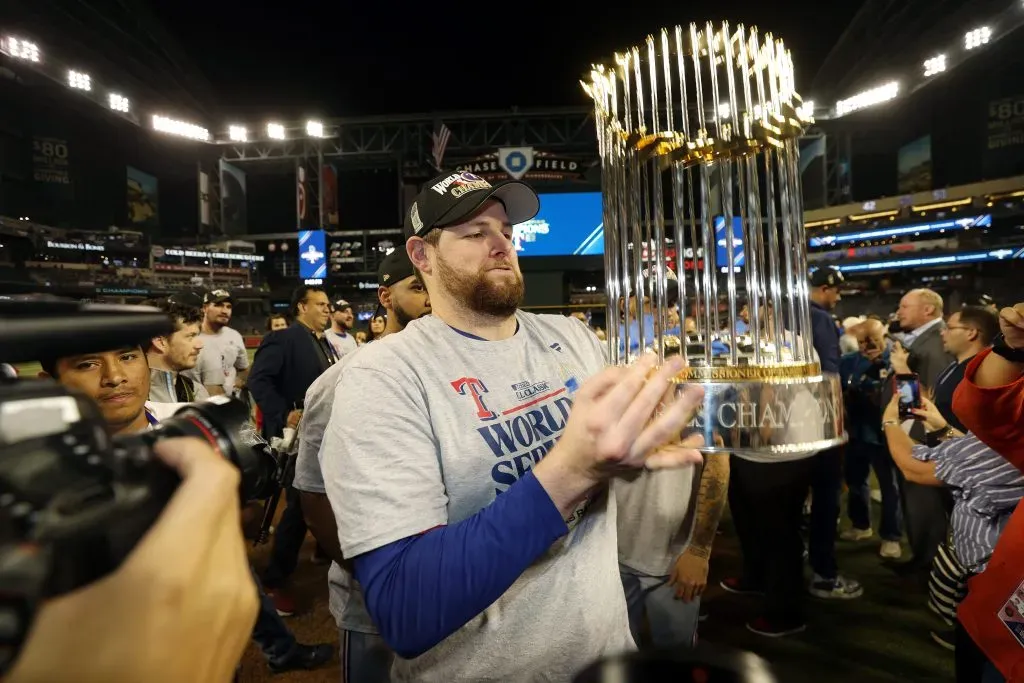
[722, 244]
[569, 224]
[312, 254]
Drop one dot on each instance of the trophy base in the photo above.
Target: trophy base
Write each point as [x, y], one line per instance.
[770, 421]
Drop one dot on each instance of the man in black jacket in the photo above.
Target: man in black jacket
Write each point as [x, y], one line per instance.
[286, 363]
[827, 478]
[289, 360]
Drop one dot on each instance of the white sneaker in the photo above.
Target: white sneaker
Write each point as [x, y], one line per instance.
[891, 550]
[839, 588]
[855, 534]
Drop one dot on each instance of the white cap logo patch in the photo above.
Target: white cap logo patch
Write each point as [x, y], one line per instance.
[414, 216]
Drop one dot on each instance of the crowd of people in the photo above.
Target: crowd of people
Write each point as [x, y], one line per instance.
[498, 503]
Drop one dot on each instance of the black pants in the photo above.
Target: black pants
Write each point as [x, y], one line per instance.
[826, 488]
[926, 517]
[288, 538]
[766, 500]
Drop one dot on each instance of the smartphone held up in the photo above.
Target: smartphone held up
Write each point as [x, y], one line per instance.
[908, 391]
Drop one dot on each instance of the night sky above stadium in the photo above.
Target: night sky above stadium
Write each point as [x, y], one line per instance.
[316, 57]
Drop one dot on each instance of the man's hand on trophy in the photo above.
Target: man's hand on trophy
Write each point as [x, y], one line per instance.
[623, 418]
[631, 417]
[1011, 323]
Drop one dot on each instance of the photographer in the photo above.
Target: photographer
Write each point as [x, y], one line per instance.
[118, 381]
[190, 564]
[287, 362]
[179, 608]
[985, 489]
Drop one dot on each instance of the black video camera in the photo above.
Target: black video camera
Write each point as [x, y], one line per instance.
[74, 501]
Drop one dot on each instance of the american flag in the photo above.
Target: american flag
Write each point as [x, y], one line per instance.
[440, 138]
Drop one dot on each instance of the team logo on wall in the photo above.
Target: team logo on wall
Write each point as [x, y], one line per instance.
[516, 161]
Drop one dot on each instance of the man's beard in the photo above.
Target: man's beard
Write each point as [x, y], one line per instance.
[481, 294]
[403, 317]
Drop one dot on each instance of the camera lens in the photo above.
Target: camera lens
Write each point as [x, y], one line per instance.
[224, 424]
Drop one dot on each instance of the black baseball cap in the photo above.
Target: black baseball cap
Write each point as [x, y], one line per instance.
[826, 277]
[671, 286]
[453, 196]
[984, 300]
[340, 305]
[217, 296]
[395, 267]
[187, 298]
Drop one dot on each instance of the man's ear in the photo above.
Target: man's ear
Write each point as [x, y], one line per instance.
[160, 344]
[416, 248]
[384, 297]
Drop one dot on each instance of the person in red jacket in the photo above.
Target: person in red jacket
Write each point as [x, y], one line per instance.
[990, 402]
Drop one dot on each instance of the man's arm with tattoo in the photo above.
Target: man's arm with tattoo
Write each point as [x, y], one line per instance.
[690, 574]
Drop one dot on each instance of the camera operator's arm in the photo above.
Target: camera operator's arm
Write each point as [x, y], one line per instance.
[180, 608]
[263, 382]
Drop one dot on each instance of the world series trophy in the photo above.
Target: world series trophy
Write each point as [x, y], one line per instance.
[698, 137]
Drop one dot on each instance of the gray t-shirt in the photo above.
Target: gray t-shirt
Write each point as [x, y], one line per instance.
[342, 344]
[222, 356]
[346, 596]
[655, 517]
[455, 421]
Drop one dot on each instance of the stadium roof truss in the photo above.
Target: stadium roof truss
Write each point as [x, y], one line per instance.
[409, 139]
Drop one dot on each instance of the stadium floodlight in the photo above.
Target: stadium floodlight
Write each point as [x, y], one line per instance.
[275, 131]
[868, 98]
[724, 111]
[978, 37]
[79, 80]
[119, 102]
[20, 49]
[180, 128]
[238, 133]
[314, 129]
[935, 65]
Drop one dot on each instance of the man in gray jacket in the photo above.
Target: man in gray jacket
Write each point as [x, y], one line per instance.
[921, 351]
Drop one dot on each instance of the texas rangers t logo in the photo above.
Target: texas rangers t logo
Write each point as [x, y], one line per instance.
[475, 388]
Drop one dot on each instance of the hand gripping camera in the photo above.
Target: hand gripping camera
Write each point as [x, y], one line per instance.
[73, 500]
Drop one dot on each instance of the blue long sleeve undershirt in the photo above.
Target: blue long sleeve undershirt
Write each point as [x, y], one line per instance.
[421, 589]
